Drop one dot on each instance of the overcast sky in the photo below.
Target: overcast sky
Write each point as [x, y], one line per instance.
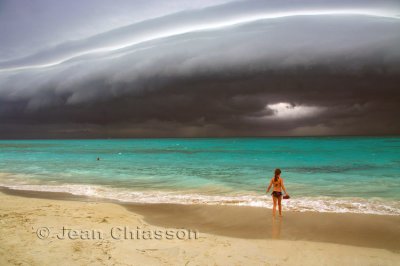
[153, 68]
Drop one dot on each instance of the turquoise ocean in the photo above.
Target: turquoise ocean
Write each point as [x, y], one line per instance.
[324, 174]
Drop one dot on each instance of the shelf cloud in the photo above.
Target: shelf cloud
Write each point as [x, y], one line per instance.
[246, 68]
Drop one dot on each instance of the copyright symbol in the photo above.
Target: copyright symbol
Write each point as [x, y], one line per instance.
[43, 232]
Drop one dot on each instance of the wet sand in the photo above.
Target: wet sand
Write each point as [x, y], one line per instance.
[378, 231]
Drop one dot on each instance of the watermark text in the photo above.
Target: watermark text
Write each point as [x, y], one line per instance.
[116, 233]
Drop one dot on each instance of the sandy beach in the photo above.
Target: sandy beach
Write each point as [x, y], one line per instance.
[56, 228]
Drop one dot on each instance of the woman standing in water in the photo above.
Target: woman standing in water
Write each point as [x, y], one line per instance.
[277, 182]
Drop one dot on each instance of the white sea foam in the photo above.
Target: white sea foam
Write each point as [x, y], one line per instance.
[300, 204]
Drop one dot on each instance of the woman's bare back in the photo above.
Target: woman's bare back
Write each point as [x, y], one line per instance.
[277, 184]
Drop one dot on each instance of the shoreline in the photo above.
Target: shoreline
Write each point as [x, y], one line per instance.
[244, 222]
[320, 204]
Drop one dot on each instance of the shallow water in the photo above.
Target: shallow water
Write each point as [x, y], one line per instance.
[338, 174]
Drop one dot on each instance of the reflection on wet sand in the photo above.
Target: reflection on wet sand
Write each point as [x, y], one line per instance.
[276, 227]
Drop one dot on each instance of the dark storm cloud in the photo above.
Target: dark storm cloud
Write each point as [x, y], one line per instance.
[271, 74]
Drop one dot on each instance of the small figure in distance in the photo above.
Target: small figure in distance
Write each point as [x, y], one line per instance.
[277, 182]
[98, 159]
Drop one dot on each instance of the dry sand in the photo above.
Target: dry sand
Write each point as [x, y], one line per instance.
[226, 235]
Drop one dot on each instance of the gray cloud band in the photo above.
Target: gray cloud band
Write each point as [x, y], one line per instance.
[338, 71]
